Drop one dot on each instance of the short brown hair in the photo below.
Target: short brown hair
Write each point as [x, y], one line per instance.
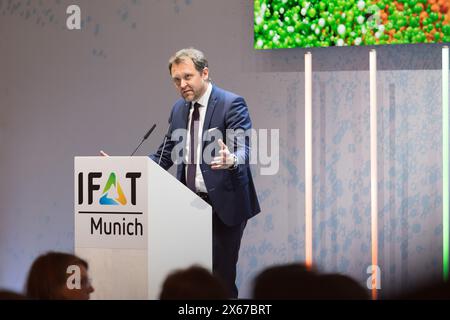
[197, 57]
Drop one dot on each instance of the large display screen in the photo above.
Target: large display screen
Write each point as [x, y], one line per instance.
[301, 23]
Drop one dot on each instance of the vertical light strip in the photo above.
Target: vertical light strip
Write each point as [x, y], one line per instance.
[445, 163]
[308, 159]
[373, 170]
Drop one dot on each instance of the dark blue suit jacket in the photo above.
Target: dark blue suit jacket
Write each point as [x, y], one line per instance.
[231, 191]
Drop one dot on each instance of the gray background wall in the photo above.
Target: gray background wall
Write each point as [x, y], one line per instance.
[67, 93]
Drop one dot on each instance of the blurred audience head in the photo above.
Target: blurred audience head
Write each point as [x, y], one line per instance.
[11, 295]
[193, 283]
[59, 276]
[290, 281]
[296, 282]
[342, 287]
[433, 291]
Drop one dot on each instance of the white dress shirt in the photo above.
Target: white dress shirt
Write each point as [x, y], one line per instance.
[203, 101]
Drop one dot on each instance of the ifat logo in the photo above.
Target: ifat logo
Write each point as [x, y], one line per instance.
[112, 193]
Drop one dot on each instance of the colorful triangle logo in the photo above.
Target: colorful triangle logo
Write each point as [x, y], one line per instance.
[112, 193]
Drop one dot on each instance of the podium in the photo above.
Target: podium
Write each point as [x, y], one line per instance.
[134, 224]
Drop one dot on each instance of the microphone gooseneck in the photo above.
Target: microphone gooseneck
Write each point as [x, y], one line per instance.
[144, 138]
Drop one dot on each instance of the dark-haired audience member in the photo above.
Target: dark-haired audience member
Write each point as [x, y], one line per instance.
[11, 295]
[296, 282]
[193, 283]
[433, 291]
[342, 287]
[290, 281]
[48, 278]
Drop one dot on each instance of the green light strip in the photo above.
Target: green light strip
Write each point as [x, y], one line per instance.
[445, 164]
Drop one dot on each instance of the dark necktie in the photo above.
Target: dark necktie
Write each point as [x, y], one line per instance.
[192, 163]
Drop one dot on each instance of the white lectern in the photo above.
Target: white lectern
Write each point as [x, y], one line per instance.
[134, 224]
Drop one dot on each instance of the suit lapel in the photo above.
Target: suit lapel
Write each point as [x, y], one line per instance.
[185, 114]
[209, 111]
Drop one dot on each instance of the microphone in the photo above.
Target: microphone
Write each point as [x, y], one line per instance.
[165, 140]
[144, 138]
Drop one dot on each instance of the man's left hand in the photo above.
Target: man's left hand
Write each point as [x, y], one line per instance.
[225, 160]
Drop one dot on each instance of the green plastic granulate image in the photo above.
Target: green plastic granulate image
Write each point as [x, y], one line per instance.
[299, 23]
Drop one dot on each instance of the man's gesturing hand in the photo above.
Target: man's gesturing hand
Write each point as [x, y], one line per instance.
[225, 159]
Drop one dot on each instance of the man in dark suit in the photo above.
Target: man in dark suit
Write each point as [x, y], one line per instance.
[224, 180]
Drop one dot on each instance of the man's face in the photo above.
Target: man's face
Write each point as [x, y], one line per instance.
[189, 82]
